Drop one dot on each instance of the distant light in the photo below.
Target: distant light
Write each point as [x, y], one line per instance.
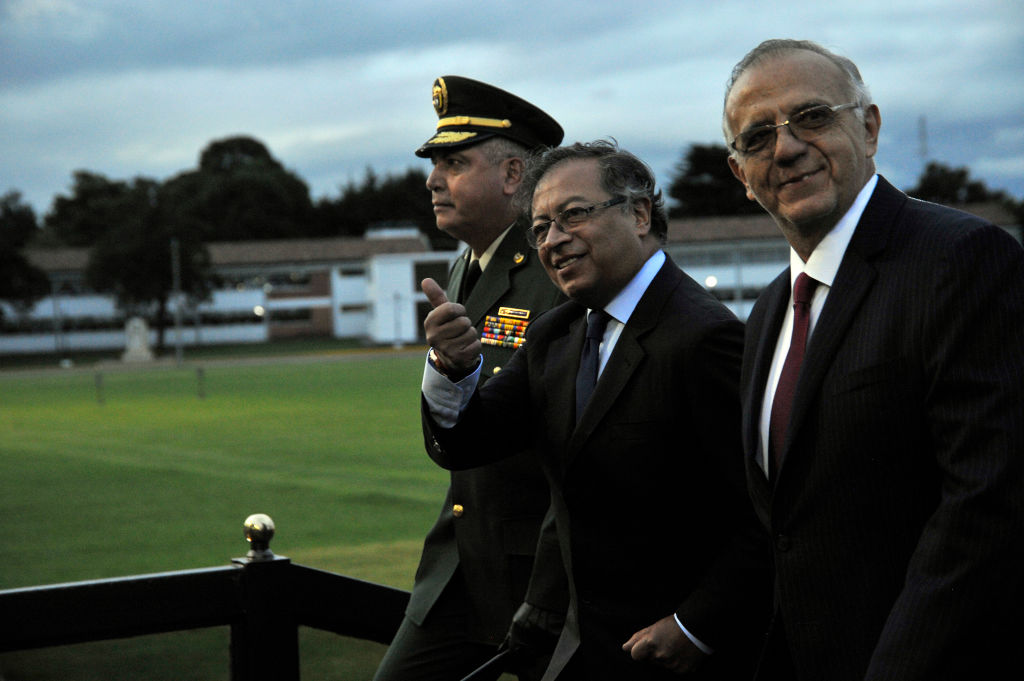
[711, 281]
[259, 311]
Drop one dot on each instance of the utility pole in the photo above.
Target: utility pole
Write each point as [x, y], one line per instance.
[922, 138]
[176, 279]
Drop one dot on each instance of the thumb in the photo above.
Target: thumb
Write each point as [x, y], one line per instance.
[435, 294]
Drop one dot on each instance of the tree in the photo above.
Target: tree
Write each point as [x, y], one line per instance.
[940, 183]
[82, 218]
[703, 185]
[352, 212]
[395, 198]
[132, 259]
[240, 192]
[952, 186]
[235, 154]
[21, 283]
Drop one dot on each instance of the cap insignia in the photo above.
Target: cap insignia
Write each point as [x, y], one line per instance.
[440, 97]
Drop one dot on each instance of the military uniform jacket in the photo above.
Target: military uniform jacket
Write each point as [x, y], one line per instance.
[647, 489]
[491, 516]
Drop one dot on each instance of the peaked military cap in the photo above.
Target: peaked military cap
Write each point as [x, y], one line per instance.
[469, 111]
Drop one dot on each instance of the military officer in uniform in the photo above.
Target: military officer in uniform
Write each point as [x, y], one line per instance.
[477, 559]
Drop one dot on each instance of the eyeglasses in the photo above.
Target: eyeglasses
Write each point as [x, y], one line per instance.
[567, 221]
[805, 126]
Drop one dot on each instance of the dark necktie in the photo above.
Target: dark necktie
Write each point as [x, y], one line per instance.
[472, 274]
[586, 377]
[782, 404]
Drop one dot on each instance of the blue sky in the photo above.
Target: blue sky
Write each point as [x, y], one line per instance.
[138, 88]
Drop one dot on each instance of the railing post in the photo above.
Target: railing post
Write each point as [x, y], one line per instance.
[265, 640]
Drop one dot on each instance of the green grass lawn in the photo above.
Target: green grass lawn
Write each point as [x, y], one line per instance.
[141, 474]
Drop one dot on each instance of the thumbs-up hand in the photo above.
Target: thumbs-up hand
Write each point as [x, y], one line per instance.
[450, 332]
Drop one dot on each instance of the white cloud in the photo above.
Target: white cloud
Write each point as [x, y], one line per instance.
[1004, 168]
[56, 20]
[139, 88]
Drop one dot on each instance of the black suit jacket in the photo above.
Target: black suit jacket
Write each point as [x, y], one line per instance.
[494, 536]
[647, 489]
[898, 514]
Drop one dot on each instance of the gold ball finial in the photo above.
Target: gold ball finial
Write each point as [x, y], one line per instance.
[259, 530]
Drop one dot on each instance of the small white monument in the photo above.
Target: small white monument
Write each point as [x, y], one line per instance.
[136, 347]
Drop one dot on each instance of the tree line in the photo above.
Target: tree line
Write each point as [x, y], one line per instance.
[239, 191]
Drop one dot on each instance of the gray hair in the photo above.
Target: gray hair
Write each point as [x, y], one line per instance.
[774, 47]
[622, 174]
[498, 148]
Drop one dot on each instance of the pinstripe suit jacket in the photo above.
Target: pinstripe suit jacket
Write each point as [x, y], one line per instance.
[897, 518]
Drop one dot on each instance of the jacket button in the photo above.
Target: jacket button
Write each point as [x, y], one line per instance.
[783, 543]
[497, 370]
[457, 510]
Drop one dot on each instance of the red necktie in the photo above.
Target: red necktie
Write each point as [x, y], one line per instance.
[782, 404]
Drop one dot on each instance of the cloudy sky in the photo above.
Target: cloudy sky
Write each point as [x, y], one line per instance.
[139, 87]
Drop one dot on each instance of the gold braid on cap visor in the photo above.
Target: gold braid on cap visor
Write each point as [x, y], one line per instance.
[473, 120]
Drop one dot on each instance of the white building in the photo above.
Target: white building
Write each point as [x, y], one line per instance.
[365, 288]
[341, 287]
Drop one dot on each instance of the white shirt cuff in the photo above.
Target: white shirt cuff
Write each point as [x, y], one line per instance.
[707, 650]
[445, 399]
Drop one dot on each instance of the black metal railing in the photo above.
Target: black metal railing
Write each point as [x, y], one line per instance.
[263, 598]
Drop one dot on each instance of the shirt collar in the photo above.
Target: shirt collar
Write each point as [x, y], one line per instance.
[828, 255]
[622, 305]
[486, 256]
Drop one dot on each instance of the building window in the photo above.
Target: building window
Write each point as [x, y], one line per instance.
[436, 270]
[286, 281]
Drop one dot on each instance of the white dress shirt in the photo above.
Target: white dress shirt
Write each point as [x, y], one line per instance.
[821, 266]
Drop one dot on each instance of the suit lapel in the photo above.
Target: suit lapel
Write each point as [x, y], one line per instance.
[853, 281]
[456, 275]
[765, 329]
[627, 355]
[562, 363]
[623, 362]
[511, 254]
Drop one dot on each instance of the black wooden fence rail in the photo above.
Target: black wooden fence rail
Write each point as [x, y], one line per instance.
[263, 598]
